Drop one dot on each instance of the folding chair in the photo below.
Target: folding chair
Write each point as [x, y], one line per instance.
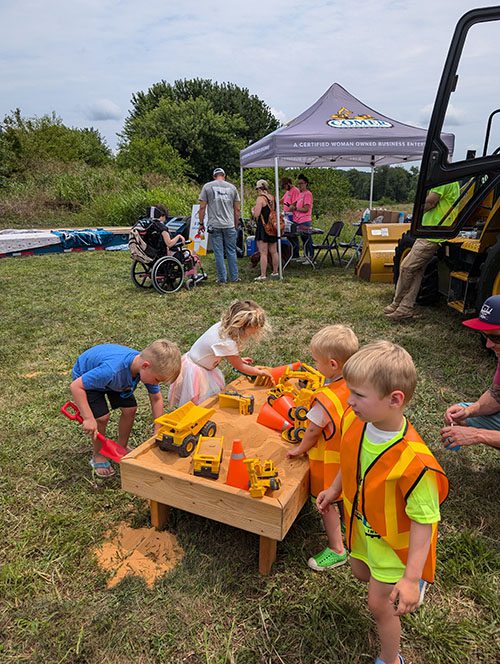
[329, 244]
[355, 243]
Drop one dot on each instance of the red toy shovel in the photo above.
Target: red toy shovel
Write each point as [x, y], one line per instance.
[109, 448]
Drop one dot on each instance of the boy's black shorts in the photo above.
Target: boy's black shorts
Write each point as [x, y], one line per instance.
[99, 406]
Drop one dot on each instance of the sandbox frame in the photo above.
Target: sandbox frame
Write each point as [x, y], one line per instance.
[165, 486]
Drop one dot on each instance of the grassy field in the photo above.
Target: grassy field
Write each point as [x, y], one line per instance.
[213, 608]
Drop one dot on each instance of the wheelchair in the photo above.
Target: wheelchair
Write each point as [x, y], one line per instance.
[169, 271]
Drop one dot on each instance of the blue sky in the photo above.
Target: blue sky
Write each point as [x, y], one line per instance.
[84, 59]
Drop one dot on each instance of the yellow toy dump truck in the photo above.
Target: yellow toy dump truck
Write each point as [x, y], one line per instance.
[207, 457]
[180, 429]
[233, 399]
[263, 476]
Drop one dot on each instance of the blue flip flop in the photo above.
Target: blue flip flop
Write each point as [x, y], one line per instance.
[381, 661]
[100, 464]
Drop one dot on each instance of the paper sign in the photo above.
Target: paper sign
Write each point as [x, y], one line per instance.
[199, 238]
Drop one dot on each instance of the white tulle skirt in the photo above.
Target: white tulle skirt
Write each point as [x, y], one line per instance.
[194, 383]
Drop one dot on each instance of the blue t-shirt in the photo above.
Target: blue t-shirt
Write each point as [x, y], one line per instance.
[107, 367]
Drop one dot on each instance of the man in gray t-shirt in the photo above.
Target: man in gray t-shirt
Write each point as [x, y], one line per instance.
[221, 201]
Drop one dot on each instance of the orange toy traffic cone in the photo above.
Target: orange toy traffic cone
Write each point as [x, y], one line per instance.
[237, 473]
[283, 404]
[268, 417]
[277, 372]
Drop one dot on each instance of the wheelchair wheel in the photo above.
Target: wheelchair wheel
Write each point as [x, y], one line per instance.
[141, 275]
[167, 275]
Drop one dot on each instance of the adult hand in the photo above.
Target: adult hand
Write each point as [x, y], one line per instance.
[90, 427]
[455, 414]
[452, 436]
[405, 596]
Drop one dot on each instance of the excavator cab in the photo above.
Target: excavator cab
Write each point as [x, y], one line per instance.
[467, 104]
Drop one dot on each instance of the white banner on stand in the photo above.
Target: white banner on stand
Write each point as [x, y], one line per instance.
[200, 238]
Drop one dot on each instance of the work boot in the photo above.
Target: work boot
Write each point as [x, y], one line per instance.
[399, 315]
[390, 308]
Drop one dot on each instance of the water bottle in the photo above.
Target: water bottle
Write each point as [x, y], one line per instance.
[366, 216]
[401, 218]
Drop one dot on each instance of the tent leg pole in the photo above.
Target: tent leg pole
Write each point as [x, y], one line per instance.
[242, 196]
[371, 186]
[278, 215]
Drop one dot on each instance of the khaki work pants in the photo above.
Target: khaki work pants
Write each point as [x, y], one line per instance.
[411, 273]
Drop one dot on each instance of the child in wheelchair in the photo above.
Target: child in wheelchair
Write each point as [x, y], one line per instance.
[160, 260]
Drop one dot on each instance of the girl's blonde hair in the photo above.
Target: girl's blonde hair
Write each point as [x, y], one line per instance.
[383, 365]
[242, 316]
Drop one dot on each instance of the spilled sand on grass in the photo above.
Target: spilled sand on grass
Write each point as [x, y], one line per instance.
[143, 552]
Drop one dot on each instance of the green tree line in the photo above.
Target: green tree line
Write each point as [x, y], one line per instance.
[175, 132]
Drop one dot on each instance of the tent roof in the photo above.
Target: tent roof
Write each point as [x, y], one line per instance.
[339, 130]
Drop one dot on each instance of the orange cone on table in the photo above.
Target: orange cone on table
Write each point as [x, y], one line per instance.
[268, 417]
[277, 372]
[283, 404]
[237, 473]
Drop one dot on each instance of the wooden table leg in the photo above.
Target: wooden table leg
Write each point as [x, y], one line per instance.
[159, 514]
[267, 554]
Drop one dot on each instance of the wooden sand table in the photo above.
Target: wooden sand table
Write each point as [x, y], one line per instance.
[167, 480]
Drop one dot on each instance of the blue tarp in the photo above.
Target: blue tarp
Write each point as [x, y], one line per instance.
[97, 237]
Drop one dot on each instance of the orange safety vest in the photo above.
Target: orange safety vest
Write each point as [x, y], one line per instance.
[324, 457]
[381, 494]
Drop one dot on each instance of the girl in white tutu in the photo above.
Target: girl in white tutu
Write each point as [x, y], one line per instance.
[200, 376]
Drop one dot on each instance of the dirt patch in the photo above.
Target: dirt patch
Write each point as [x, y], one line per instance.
[143, 552]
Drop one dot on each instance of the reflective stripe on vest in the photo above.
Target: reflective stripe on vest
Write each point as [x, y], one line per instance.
[324, 457]
[381, 495]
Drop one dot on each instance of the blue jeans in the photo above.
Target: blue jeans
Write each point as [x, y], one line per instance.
[491, 422]
[307, 240]
[224, 241]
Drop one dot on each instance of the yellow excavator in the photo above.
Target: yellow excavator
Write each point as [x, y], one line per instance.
[467, 267]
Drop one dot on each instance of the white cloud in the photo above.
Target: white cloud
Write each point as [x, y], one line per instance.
[103, 109]
[279, 115]
[454, 116]
[59, 55]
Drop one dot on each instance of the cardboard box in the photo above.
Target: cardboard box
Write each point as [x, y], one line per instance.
[389, 216]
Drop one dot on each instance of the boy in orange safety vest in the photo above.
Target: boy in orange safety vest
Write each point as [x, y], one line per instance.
[330, 348]
[392, 488]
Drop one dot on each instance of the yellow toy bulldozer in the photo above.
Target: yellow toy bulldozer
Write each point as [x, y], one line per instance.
[233, 399]
[263, 476]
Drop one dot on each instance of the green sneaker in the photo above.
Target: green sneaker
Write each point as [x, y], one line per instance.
[327, 559]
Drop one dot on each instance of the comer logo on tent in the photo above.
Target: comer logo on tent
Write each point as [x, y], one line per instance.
[345, 119]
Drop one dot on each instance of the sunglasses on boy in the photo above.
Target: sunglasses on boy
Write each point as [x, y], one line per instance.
[494, 338]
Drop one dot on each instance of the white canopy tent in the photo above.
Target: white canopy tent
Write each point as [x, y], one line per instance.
[338, 130]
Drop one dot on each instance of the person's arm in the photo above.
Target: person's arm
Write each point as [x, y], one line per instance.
[257, 208]
[406, 593]
[171, 242]
[305, 206]
[311, 436]
[328, 496]
[156, 401]
[201, 214]
[236, 210]
[237, 362]
[79, 394]
[487, 404]
[431, 200]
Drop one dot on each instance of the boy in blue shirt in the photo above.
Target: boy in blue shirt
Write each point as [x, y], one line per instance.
[113, 371]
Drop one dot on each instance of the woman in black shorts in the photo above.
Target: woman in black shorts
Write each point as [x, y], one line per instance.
[266, 244]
